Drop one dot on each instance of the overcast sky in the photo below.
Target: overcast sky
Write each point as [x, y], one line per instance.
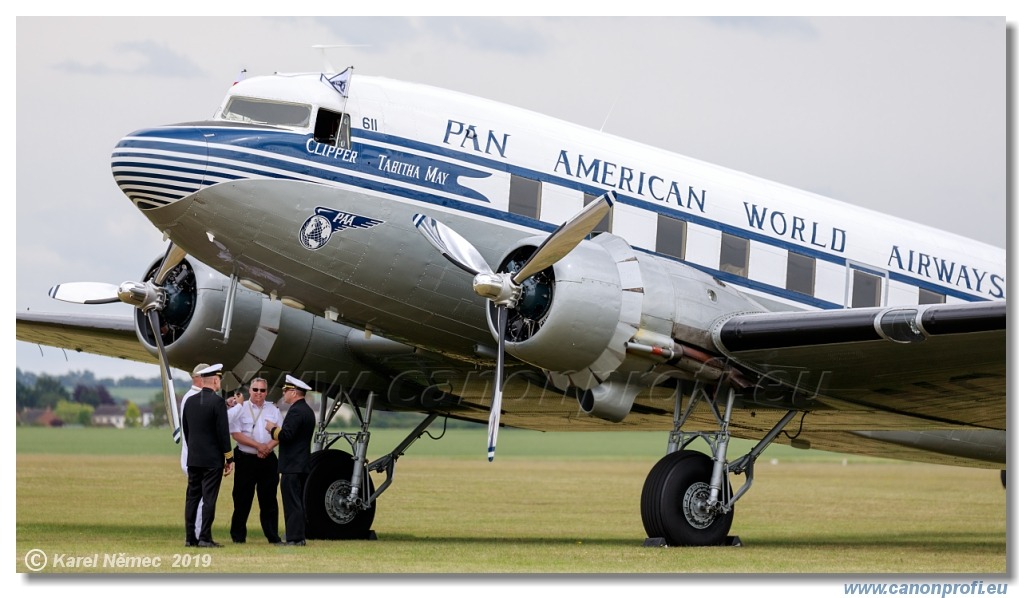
[906, 116]
[901, 115]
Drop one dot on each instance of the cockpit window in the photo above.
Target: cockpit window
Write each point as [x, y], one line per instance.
[252, 110]
[332, 128]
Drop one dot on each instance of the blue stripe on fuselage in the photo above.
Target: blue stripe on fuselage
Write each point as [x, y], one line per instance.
[306, 159]
[410, 169]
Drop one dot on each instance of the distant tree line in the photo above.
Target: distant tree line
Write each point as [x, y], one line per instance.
[74, 378]
[75, 396]
[77, 406]
[45, 392]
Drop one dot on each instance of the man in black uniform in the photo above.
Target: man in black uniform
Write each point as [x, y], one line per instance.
[205, 427]
[294, 436]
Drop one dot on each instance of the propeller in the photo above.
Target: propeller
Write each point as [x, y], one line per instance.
[148, 296]
[504, 289]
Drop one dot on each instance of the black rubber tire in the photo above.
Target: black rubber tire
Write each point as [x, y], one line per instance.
[331, 470]
[662, 498]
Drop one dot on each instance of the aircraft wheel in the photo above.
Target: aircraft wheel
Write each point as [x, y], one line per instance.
[329, 482]
[669, 502]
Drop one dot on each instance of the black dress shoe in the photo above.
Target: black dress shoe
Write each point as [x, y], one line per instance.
[205, 544]
[299, 543]
[242, 541]
[191, 544]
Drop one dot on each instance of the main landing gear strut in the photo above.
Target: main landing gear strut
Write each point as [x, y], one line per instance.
[687, 499]
[340, 497]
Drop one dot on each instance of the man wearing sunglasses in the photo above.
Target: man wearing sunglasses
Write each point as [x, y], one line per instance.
[255, 462]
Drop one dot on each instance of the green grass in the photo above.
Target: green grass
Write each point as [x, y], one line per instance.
[465, 443]
[534, 510]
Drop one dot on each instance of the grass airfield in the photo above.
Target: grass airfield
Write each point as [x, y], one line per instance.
[549, 504]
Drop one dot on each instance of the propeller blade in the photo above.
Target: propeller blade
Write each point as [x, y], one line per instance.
[85, 292]
[172, 258]
[452, 245]
[148, 297]
[566, 237]
[499, 381]
[170, 400]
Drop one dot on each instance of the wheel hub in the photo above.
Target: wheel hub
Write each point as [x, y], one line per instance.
[336, 501]
[695, 506]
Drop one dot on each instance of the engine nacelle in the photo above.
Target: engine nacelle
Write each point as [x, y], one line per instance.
[576, 319]
[262, 336]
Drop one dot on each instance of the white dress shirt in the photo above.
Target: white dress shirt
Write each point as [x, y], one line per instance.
[251, 420]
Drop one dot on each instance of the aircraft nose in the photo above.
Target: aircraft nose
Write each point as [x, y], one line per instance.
[156, 167]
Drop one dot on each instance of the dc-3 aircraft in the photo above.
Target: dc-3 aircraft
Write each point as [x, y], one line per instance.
[407, 248]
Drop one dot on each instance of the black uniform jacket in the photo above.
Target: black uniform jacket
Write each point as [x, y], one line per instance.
[205, 426]
[295, 436]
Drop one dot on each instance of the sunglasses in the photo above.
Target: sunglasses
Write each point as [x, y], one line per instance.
[257, 390]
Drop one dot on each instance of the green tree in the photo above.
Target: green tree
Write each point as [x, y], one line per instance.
[74, 413]
[74, 378]
[25, 396]
[26, 378]
[94, 395]
[159, 411]
[50, 391]
[86, 395]
[104, 395]
[132, 415]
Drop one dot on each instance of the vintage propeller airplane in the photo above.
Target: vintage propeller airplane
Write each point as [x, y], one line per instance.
[390, 243]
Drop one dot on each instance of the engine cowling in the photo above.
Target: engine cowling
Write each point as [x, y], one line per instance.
[577, 319]
[263, 336]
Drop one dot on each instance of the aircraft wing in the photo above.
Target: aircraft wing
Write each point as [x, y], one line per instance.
[108, 335]
[943, 364]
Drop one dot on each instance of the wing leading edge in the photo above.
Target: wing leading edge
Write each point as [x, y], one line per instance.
[108, 335]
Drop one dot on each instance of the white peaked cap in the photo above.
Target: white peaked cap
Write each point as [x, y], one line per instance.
[216, 369]
[290, 380]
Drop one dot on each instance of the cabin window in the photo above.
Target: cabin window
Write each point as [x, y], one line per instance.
[867, 290]
[252, 110]
[605, 226]
[524, 197]
[671, 237]
[800, 274]
[332, 128]
[735, 254]
[926, 297]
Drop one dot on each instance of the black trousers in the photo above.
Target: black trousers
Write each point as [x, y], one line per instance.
[203, 484]
[292, 485]
[259, 476]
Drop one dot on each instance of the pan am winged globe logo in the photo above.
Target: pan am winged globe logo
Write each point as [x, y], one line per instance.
[315, 232]
[317, 229]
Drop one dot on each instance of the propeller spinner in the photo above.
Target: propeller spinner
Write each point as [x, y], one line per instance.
[504, 289]
[148, 296]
